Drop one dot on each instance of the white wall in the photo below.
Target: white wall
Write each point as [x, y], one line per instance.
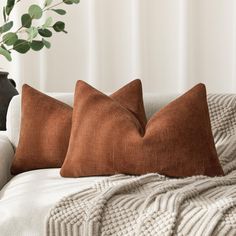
[169, 44]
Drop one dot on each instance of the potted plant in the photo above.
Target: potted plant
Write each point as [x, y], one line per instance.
[31, 34]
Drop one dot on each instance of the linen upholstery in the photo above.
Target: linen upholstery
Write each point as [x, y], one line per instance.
[107, 139]
[6, 156]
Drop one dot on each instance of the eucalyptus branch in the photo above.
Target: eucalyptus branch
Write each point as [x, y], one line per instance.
[36, 33]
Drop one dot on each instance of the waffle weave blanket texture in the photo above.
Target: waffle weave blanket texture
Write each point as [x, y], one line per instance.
[157, 205]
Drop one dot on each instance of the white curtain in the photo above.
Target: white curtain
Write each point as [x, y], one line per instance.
[169, 44]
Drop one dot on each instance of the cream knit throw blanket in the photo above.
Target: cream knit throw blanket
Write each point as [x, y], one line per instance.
[155, 205]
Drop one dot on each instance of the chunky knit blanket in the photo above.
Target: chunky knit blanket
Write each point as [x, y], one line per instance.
[156, 205]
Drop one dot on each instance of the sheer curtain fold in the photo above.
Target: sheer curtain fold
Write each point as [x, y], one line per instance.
[170, 45]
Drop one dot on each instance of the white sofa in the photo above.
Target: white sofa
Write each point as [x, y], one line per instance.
[26, 198]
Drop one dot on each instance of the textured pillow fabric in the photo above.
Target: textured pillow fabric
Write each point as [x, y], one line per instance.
[131, 98]
[106, 138]
[46, 125]
[44, 133]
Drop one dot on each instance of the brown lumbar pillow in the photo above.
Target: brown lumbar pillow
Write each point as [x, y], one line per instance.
[106, 138]
[46, 125]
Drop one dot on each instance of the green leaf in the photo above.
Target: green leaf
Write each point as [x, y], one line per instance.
[46, 43]
[47, 23]
[6, 27]
[10, 38]
[68, 2]
[59, 26]
[5, 53]
[9, 6]
[45, 33]
[48, 3]
[36, 45]
[4, 47]
[21, 46]
[32, 33]
[35, 11]
[59, 11]
[4, 14]
[26, 20]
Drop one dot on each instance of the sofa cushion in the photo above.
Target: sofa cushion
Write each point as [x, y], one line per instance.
[107, 138]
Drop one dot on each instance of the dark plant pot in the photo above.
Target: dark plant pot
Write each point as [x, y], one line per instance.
[7, 91]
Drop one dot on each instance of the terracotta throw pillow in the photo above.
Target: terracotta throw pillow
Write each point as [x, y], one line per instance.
[46, 125]
[107, 138]
[44, 134]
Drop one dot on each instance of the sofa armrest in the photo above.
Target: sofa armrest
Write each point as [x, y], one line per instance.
[6, 157]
